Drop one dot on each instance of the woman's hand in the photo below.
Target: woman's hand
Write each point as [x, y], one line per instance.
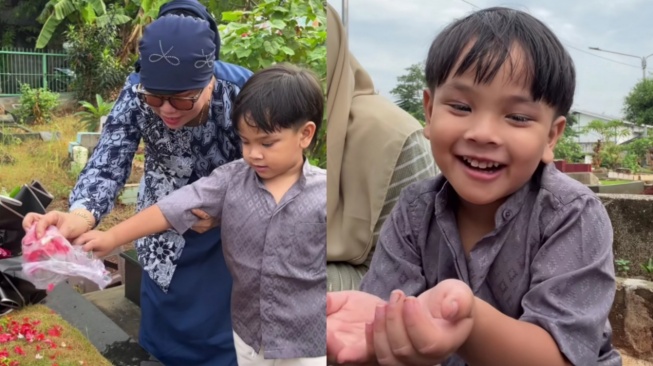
[206, 222]
[70, 226]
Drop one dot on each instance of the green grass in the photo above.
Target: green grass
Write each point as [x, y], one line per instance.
[43, 161]
[63, 344]
[614, 182]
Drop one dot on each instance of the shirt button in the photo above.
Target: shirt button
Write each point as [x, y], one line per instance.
[507, 214]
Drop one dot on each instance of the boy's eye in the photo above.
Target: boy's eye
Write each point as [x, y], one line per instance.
[268, 144]
[519, 119]
[460, 107]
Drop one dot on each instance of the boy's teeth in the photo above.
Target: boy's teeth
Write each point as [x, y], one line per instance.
[481, 164]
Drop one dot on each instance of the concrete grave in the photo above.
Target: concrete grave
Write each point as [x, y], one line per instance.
[632, 317]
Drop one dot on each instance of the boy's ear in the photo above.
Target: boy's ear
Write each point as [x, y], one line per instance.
[555, 133]
[427, 102]
[307, 131]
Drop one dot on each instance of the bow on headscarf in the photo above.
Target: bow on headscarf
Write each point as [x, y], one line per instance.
[200, 11]
[365, 135]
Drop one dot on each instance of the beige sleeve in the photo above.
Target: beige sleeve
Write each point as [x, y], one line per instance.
[415, 163]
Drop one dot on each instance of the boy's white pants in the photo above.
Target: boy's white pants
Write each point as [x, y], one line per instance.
[247, 356]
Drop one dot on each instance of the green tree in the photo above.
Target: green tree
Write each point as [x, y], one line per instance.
[638, 105]
[18, 24]
[409, 90]
[92, 54]
[142, 13]
[608, 149]
[639, 148]
[567, 148]
[80, 12]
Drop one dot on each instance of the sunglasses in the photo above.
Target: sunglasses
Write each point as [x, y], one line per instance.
[179, 103]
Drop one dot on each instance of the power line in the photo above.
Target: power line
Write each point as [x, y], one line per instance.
[572, 47]
[474, 5]
[605, 58]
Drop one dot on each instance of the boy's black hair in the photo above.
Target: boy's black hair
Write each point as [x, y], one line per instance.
[492, 33]
[279, 97]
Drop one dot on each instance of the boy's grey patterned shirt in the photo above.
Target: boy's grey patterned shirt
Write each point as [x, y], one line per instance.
[275, 252]
[549, 260]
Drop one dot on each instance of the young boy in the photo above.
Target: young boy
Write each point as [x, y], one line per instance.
[511, 260]
[271, 206]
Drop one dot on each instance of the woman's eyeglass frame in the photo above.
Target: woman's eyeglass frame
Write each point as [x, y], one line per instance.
[155, 100]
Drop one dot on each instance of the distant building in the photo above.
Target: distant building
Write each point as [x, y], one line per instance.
[587, 140]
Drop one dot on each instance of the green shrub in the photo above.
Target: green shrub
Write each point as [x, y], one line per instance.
[90, 117]
[36, 105]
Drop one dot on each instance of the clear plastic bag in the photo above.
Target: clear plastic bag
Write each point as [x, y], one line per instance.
[52, 259]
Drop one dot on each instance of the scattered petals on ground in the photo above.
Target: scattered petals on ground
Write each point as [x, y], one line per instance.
[28, 333]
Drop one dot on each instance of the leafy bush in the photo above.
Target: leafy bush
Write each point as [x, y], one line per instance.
[36, 104]
[568, 149]
[93, 57]
[91, 116]
[292, 31]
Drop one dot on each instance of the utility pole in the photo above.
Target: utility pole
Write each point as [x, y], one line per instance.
[642, 58]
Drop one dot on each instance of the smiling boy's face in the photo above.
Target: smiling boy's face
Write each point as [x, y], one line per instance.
[488, 139]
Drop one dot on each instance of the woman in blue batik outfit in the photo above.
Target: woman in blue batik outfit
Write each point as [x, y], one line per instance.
[179, 104]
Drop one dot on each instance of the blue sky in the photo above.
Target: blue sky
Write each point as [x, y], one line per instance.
[389, 35]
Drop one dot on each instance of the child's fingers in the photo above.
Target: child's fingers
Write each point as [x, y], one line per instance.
[395, 329]
[86, 237]
[82, 239]
[421, 330]
[200, 214]
[90, 245]
[457, 304]
[382, 348]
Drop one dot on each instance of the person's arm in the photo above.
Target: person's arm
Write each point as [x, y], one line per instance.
[147, 222]
[567, 307]
[207, 194]
[110, 165]
[415, 163]
[397, 252]
[173, 211]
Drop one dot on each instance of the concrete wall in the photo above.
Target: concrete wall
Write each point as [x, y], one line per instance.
[623, 188]
[632, 318]
[632, 223]
[624, 176]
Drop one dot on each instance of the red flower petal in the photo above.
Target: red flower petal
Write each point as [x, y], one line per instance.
[55, 331]
[19, 350]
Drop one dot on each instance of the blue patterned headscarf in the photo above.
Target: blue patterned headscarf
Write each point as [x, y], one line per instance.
[194, 8]
[176, 54]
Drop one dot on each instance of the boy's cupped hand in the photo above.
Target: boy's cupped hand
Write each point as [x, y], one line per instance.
[363, 329]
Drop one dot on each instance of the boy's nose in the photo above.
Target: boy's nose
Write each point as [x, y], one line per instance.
[484, 130]
[255, 154]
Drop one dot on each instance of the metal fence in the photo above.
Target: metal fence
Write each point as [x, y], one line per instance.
[34, 67]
